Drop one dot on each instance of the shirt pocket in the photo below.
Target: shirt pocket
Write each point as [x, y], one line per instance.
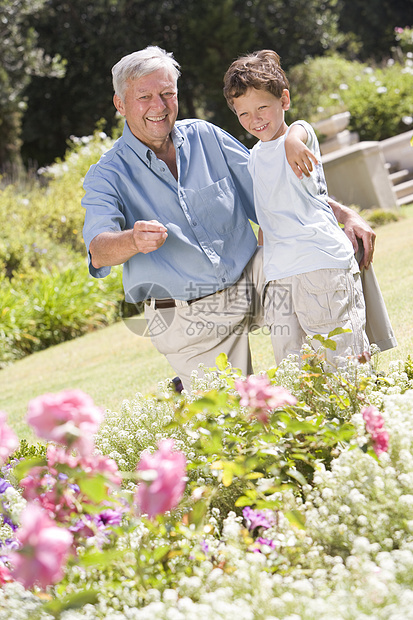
[218, 206]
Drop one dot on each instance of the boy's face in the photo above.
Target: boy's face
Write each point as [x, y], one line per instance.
[262, 114]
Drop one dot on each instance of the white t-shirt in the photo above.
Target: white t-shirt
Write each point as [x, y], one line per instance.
[301, 233]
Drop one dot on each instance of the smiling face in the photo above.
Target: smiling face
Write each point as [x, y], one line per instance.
[262, 114]
[150, 106]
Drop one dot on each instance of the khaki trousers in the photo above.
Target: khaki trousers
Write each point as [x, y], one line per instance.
[196, 333]
[193, 334]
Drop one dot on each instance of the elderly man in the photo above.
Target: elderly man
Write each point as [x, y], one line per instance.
[172, 201]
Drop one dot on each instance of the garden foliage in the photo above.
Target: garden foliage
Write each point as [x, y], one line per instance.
[47, 295]
[296, 502]
[379, 98]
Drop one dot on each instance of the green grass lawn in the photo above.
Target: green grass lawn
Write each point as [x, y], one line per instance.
[113, 364]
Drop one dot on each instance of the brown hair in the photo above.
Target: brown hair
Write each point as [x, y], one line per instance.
[260, 70]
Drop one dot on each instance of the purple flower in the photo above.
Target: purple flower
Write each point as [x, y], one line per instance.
[258, 518]
[260, 542]
[108, 517]
[204, 546]
[4, 485]
[8, 521]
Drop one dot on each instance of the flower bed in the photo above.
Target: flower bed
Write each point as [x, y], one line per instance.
[287, 495]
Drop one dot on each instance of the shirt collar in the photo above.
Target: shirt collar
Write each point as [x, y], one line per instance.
[144, 152]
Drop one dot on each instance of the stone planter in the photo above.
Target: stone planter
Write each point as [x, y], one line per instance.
[337, 136]
[333, 125]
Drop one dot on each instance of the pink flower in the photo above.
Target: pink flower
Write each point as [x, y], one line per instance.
[100, 464]
[58, 493]
[5, 575]
[69, 417]
[8, 439]
[163, 476]
[364, 357]
[261, 396]
[44, 549]
[374, 426]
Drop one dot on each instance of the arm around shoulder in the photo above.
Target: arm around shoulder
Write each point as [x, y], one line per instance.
[356, 228]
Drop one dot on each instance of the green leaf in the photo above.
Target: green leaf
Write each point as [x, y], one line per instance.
[227, 477]
[73, 601]
[293, 473]
[101, 559]
[222, 361]
[25, 466]
[243, 501]
[319, 337]
[254, 475]
[94, 488]
[337, 331]
[300, 426]
[160, 552]
[296, 518]
[198, 512]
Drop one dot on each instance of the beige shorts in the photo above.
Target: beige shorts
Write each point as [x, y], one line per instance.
[316, 303]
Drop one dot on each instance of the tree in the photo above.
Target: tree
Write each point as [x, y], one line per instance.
[372, 24]
[204, 35]
[21, 58]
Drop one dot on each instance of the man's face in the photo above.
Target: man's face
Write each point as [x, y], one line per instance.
[150, 107]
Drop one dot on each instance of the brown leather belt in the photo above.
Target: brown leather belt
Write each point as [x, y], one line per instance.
[171, 303]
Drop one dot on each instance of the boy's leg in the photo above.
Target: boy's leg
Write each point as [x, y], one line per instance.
[330, 298]
[287, 335]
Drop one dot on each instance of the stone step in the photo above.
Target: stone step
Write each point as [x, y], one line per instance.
[405, 200]
[404, 189]
[399, 176]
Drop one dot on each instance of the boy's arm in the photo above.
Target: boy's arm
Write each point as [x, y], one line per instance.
[298, 155]
[301, 161]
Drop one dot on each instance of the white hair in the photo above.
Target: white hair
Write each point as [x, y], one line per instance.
[141, 63]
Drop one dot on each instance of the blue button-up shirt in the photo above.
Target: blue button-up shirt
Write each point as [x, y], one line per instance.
[206, 212]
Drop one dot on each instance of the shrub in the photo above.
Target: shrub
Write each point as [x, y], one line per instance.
[336, 543]
[379, 99]
[46, 293]
[379, 217]
[57, 305]
[317, 86]
[42, 222]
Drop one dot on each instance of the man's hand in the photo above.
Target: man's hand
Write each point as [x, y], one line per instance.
[114, 248]
[148, 235]
[356, 228]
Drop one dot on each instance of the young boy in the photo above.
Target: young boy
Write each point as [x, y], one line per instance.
[318, 287]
